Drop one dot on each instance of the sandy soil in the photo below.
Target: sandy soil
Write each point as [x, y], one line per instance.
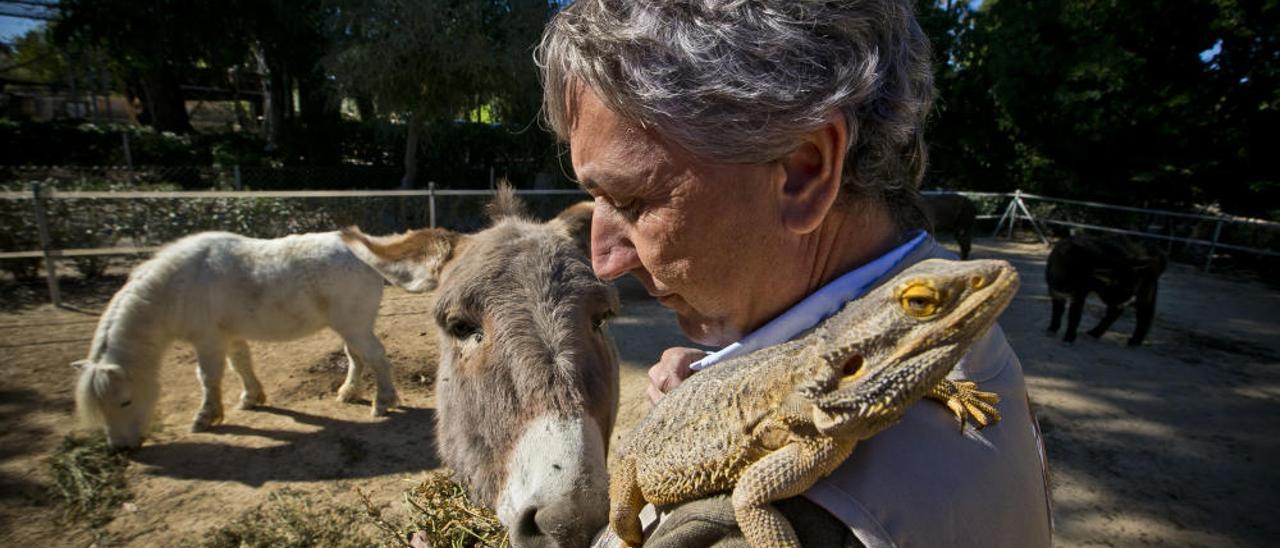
[1168, 444]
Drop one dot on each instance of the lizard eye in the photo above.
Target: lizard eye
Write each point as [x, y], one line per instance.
[919, 300]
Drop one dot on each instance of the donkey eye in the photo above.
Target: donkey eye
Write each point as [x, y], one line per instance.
[126, 403]
[462, 329]
[598, 322]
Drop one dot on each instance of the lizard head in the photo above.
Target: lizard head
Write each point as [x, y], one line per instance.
[900, 340]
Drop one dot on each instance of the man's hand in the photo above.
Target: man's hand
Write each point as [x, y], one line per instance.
[671, 370]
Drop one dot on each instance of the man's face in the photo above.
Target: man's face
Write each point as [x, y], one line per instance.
[700, 236]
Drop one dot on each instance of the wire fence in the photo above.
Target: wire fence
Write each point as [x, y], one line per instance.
[86, 231]
[1188, 237]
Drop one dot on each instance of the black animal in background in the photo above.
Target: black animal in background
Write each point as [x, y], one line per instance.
[1117, 269]
[952, 213]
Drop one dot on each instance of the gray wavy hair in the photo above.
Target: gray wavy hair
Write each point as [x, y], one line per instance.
[743, 81]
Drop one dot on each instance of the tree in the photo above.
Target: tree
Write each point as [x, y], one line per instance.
[155, 44]
[427, 62]
[1107, 99]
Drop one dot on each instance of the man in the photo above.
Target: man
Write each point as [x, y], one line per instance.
[755, 166]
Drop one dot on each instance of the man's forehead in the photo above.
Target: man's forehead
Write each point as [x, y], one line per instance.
[601, 141]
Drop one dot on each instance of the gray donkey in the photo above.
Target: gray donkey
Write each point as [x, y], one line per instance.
[528, 378]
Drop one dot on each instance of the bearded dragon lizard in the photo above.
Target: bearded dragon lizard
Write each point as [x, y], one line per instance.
[770, 424]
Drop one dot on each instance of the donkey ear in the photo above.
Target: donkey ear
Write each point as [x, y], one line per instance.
[412, 260]
[575, 221]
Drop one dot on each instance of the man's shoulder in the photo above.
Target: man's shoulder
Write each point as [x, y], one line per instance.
[926, 479]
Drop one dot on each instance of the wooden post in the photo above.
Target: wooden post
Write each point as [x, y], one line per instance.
[236, 172]
[42, 226]
[431, 202]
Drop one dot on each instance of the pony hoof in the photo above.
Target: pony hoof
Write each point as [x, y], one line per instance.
[203, 424]
[348, 394]
[381, 406]
[247, 403]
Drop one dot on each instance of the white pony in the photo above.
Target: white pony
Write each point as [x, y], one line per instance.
[217, 290]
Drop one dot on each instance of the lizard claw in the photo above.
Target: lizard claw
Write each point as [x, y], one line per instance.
[967, 402]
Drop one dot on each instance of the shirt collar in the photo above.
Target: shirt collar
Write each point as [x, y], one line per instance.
[820, 305]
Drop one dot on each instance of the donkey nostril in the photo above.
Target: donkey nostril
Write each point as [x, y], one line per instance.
[527, 527]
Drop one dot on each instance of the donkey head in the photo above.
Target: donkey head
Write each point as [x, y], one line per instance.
[527, 386]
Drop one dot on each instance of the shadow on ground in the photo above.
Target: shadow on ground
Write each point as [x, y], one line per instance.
[402, 442]
[1170, 443]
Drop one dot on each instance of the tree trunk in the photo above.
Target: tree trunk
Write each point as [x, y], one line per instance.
[410, 178]
[165, 100]
[364, 107]
[270, 107]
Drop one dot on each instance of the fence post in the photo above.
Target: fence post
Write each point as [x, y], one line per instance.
[236, 172]
[431, 202]
[42, 226]
[1003, 217]
[1213, 245]
[128, 154]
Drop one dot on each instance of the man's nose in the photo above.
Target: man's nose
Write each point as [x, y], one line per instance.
[612, 253]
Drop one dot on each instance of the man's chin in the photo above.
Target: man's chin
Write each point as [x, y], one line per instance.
[705, 332]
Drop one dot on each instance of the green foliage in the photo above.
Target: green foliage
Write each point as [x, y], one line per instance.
[33, 59]
[88, 479]
[68, 142]
[1114, 101]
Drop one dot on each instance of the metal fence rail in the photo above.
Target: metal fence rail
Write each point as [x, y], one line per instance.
[47, 225]
[393, 210]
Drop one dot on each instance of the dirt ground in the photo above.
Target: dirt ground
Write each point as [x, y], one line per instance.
[1168, 444]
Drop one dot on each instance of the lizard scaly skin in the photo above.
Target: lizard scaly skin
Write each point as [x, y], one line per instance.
[770, 424]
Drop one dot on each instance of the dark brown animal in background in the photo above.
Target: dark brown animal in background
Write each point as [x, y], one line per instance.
[1117, 269]
[952, 213]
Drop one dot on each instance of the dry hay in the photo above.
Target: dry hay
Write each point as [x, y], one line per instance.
[290, 519]
[440, 514]
[88, 478]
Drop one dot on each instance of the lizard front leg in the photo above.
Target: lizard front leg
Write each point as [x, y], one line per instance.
[965, 400]
[625, 502]
[784, 473]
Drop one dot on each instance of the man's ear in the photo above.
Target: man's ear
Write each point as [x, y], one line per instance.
[412, 260]
[813, 173]
[575, 221]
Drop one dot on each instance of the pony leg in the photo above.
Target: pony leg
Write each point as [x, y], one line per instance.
[212, 358]
[367, 350]
[350, 390]
[242, 364]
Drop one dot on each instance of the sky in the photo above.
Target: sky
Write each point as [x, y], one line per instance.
[13, 27]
